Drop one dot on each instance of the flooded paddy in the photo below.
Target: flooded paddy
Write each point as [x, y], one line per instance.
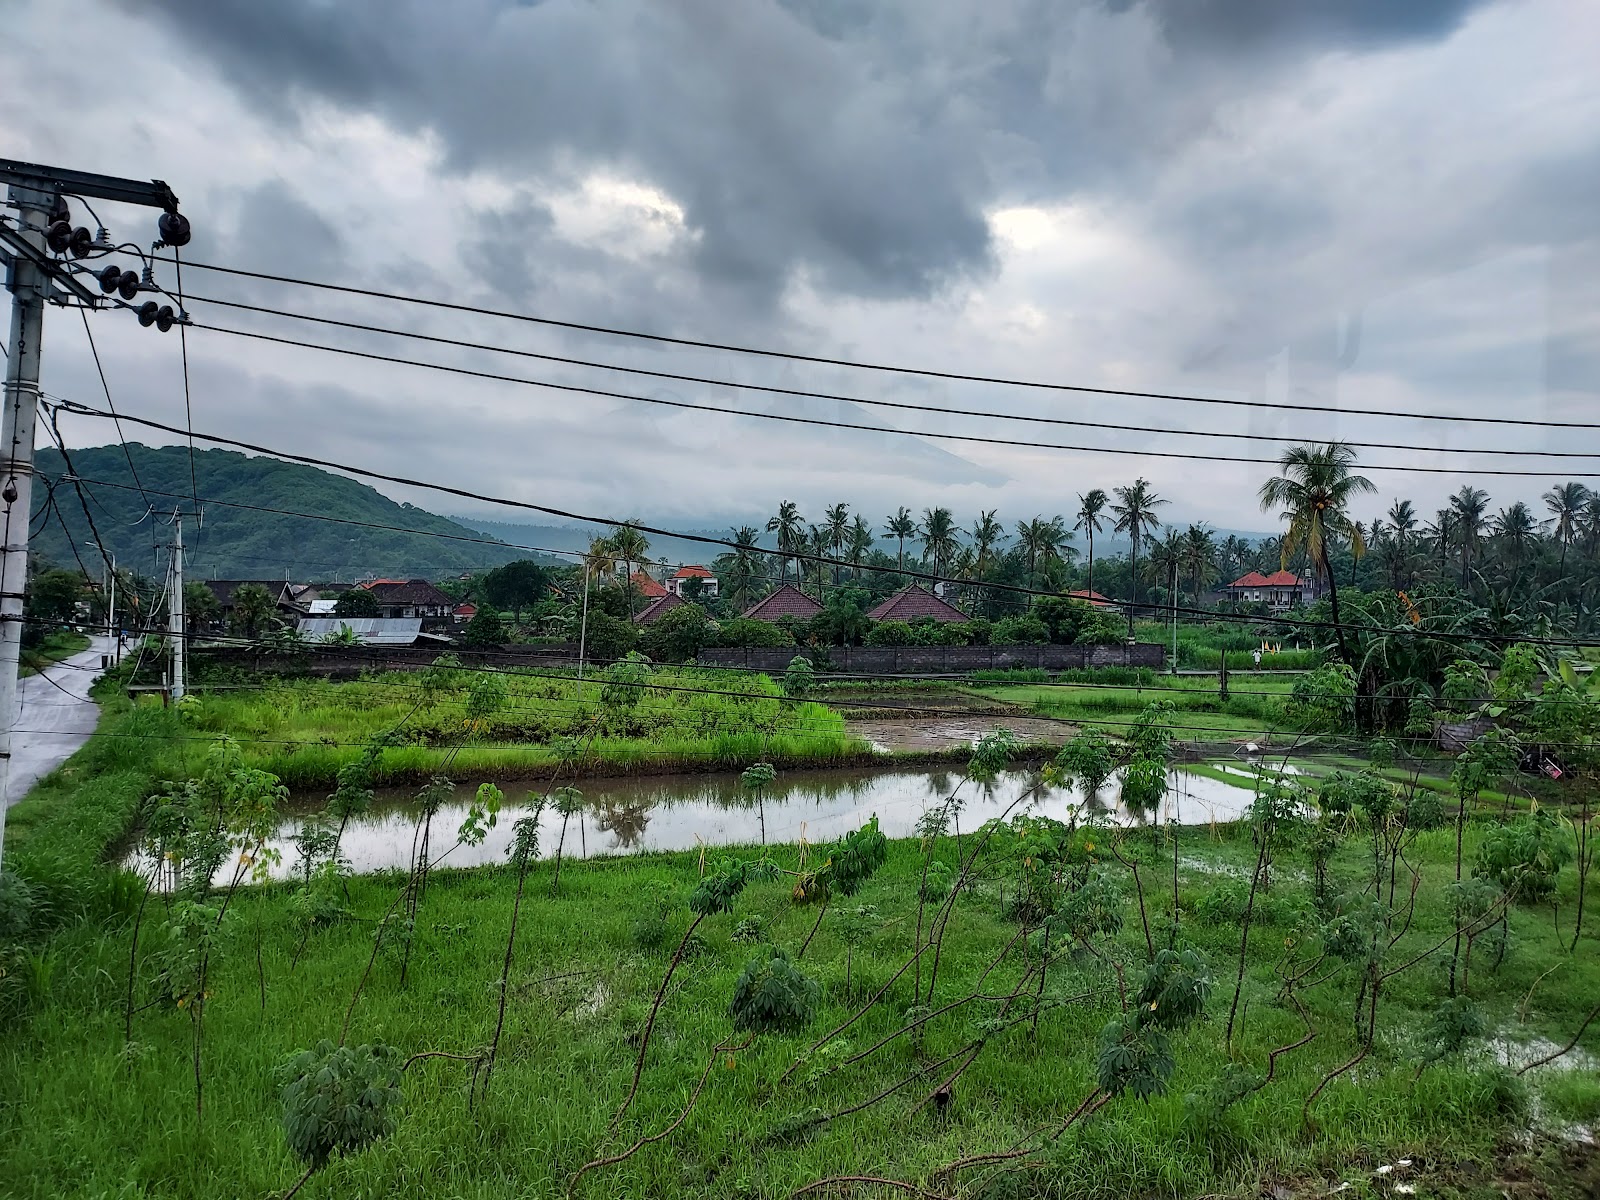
[683, 812]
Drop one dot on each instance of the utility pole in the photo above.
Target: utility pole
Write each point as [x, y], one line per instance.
[33, 244]
[175, 610]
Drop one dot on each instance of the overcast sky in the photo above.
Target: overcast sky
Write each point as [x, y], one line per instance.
[1383, 205]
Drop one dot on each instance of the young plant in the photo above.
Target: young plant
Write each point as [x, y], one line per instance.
[755, 780]
[569, 803]
[856, 925]
[772, 994]
[337, 1100]
[848, 864]
[524, 850]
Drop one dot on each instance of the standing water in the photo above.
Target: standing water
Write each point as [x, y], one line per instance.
[680, 812]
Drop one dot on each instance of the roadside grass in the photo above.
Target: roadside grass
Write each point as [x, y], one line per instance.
[56, 645]
[87, 1114]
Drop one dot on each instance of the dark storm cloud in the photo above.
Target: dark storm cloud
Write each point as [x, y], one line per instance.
[1249, 24]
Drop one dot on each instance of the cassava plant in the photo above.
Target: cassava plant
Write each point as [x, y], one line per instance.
[337, 1100]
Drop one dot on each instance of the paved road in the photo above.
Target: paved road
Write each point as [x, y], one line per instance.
[55, 718]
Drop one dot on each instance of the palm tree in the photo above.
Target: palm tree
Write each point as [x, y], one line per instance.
[836, 518]
[1470, 507]
[602, 557]
[630, 546]
[987, 535]
[817, 542]
[1314, 492]
[1233, 553]
[1439, 532]
[1199, 555]
[746, 560]
[1136, 515]
[1090, 505]
[1515, 528]
[902, 525]
[790, 527]
[860, 541]
[938, 533]
[1566, 504]
[1402, 524]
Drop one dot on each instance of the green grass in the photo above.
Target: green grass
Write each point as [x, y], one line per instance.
[87, 1115]
[1200, 646]
[55, 646]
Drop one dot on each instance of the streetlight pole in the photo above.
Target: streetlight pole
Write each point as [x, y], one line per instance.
[111, 605]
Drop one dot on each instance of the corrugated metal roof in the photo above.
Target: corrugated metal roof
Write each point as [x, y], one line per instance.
[372, 631]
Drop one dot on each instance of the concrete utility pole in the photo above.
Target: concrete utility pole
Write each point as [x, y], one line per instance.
[175, 610]
[31, 244]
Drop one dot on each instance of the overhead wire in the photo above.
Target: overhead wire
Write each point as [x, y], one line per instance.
[886, 368]
[655, 373]
[820, 422]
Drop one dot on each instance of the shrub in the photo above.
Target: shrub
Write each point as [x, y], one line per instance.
[16, 907]
[338, 1098]
[799, 679]
[485, 629]
[742, 631]
[678, 634]
[1525, 858]
[1102, 628]
[772, 993]
[1025, 630]
[609, 637]
[1063, 616]
[890, 633]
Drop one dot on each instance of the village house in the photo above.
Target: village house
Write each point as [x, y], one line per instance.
[785, 601]
[645, 584]
[285, 596]
[399, 598]
[916, 603]
[708, 582]
[1280, 591]
[661, 605]
[1094, 598]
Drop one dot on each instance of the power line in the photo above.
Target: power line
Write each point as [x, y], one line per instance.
[896, 404]
[924, 372]
[789, 418]
[74, 407]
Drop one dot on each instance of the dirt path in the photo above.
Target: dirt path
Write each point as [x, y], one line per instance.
[958, 729]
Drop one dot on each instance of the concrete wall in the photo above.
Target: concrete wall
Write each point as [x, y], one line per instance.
[337, 661]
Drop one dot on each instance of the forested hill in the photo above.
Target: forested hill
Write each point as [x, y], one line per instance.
[245, 543]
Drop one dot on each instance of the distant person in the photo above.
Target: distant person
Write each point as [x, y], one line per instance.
[1256, 654]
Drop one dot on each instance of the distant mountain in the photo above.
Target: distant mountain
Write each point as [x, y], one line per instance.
[578, 537]
[236, 542]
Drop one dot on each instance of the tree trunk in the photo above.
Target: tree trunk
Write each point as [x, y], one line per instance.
[1333, 602]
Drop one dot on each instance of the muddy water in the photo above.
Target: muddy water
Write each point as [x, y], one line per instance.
[625, 816]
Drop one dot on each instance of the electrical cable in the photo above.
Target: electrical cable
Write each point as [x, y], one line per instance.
[799, 555]
[879, 367]
[820, 422]
[896, 404]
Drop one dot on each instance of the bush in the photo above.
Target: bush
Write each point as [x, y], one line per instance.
[1102, 628]
[1526, 857]
[609, 637]
[1024, 630]
[1063, 616]
[16, 908]
[890, 633]
[772, 993]
[677, 635]
[485, 629]
[338, 1098]
[742, 631]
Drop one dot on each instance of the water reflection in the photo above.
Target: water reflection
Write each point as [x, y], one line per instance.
[685, 812]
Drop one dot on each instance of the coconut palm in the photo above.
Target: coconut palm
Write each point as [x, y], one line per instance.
[1402, 529]
[987, 535]
[901, 526]
[836, 520]
[1470, 509]
[1314, 492]
[1135, 508]
[816, 543]
[938, 533]
[1566, 504]
[745, 561]
[1515, 529]
[859, 540]
[790, 527]
[602, 557]
[1199, 555]
[1091, 505]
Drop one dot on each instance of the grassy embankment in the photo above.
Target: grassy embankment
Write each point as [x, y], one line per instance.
[1255, 703]
[55, 646]
[87, 1113]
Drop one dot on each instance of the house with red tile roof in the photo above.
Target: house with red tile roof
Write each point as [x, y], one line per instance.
[1094, 598]
[708, 582]
[648, 587]
[658, 607]
[786, 601]
[916, 603]
[1280, 591]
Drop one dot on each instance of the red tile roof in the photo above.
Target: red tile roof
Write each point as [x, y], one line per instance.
[466, 610]
[663, 603]
[693, 572]
[787, 601]
[648, 586]
[915, 603]
[1255, 579]
[1094, 598]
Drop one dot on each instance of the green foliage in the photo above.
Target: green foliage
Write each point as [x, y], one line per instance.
[1150, 736]
[1092, 910]
[392, 936]
[936, 887]
[625, 682]
[1086, 761]
[486, 629]
[773, 994]
[841, 623]
[338, 1099]
[16, 907]
[890, 633]
[853, 859]
[1324, 701]
[1134, 1056]
[1174, 989]
[1102, 628]
[1487, 759]
[254, 612]
[799, 678]
[678, 634]
[1022, 630]
[1062, 616]
[357, 602]
[743, 631]
[992, 754]
[757, 777]
[516, 585]
[1144, 783]
[192, 937]
[1526, 857]
[608, 637]
[52, 597]
[1454, 1025]
[717, 891]
[750, 930]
